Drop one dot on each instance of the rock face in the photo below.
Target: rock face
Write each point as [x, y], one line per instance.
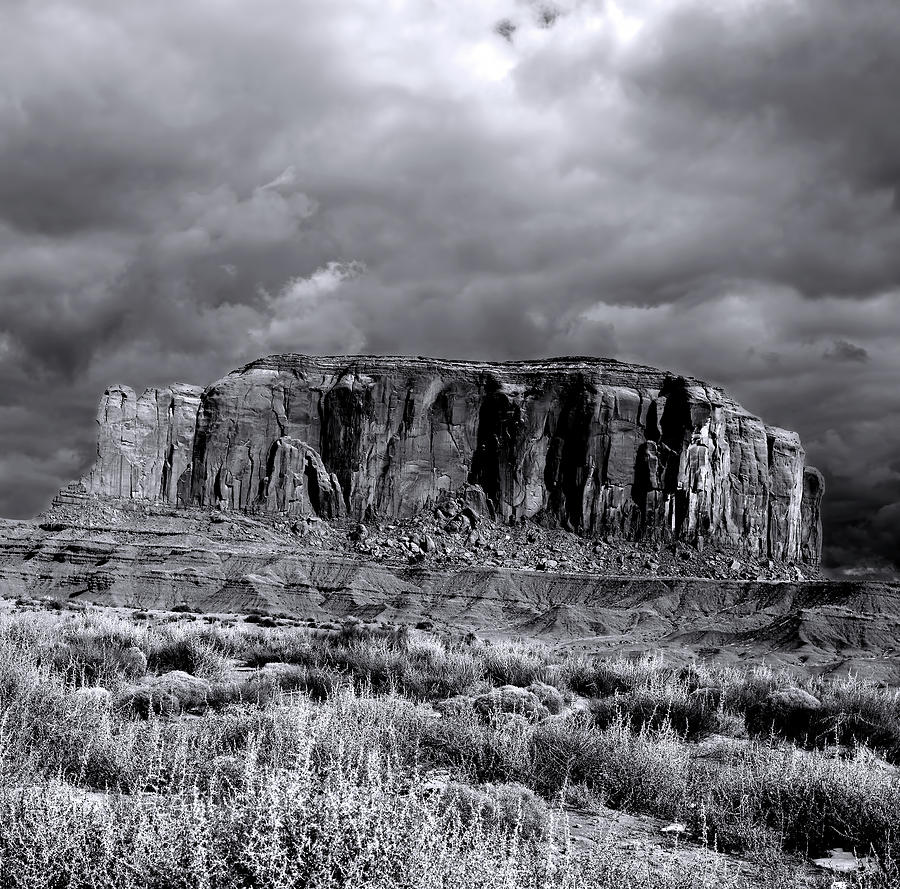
[297, 482]
[811, 515]
[145, 445]
[593, 446]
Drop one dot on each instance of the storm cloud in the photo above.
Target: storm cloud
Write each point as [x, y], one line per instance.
[711, 187]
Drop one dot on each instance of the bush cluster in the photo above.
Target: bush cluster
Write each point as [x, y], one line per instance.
[324, 725]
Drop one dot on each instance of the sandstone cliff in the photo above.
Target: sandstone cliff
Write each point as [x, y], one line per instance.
[598, 447]
[144, 445]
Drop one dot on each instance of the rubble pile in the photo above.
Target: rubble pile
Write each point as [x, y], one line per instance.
[460, 532]
[457, 533]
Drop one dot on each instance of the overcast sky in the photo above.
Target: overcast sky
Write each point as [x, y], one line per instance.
[710, 186]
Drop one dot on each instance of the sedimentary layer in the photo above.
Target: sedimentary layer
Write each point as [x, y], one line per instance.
[161, 562]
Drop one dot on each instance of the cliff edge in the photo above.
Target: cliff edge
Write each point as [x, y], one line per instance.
[597, 447]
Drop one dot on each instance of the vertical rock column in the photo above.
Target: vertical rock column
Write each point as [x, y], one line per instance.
[144, 445]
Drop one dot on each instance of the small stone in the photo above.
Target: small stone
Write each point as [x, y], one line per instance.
[459, 524]
[840, 862]
[471, 515]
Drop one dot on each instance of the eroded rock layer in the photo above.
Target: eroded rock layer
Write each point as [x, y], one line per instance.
[597, 447]
[163, 558]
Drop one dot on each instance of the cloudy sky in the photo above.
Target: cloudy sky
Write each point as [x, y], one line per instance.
[711, 186]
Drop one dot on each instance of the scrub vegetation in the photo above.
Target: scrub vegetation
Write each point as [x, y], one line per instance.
[177, 750]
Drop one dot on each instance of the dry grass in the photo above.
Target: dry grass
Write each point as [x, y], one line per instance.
[315, 773]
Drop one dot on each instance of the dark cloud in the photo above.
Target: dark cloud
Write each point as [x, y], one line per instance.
[505, 28]
[705, 186]
[844, 350]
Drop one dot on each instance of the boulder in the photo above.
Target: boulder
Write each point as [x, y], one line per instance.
[359, 533]
[471, 515]
[837, 861]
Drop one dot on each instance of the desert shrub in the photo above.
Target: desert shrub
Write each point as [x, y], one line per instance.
[512, 808]
[320, 683]
[809, 801]
[376, 665]
[789, 713]
[510, 699]
[513, 664]
[627, 770]
[749, 691]
[169, 693]
[381, 664]
[223, 775]
[353, 630]
[550, 697]
[284, 646]
[198, 652]
[105, 629]
[315, 727]
[493, 752]
[434, 672]
[690, 716]
[32, 706]
[92, 660]
[341, 830]
[853, 712]
[849, 712]
[252, 690]
[693, 676]
[561, 753]
[594, 679]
